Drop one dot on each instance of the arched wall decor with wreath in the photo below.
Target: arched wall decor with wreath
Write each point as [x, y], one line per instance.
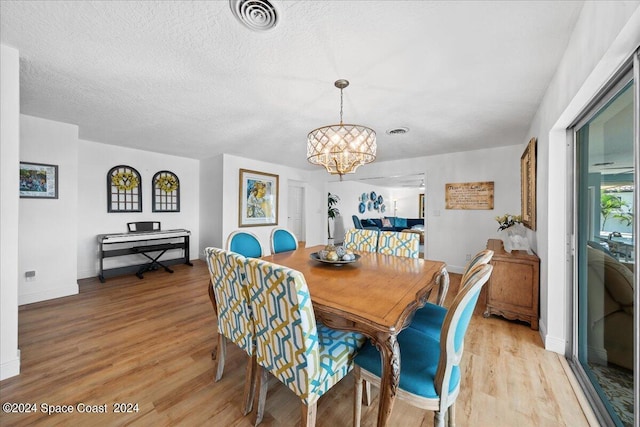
[124, 189]
[165, 192]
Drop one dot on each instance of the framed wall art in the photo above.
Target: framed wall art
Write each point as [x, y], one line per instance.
[124, 189]
[38, 181]
[528, 185]
[165, 196]
[258, 199]
[421, 205]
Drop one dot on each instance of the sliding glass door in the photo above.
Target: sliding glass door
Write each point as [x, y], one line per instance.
[606, 258]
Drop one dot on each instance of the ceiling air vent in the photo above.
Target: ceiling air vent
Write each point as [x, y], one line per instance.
[257, 15]
[398, 131]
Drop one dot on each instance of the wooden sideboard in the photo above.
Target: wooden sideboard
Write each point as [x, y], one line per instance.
[513, 289]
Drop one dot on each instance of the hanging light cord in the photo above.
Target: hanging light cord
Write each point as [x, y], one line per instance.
[340, 106]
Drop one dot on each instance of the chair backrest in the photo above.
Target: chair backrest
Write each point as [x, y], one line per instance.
[361, 240]
[482, 257]
[399, 244]
[454, 328]
[286, 332]
[244, 243]
[282, 240]
[356, 222]
[143, 226]
[235, 319]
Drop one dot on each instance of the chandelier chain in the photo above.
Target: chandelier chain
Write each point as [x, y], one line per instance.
[340, 105]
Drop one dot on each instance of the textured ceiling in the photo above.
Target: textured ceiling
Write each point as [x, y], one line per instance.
[186, 78]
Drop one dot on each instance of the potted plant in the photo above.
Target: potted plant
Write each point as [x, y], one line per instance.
[332, 213]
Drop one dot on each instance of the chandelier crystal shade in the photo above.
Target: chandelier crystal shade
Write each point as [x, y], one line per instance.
[341, 148]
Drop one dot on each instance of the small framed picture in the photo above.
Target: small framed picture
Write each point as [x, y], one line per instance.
[258, 199]
[38, 181]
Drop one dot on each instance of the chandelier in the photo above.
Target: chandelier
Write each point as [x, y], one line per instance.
[341, 148]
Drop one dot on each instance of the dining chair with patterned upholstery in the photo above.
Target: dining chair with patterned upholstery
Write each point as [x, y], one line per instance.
[430, 373]
[283, 240]
[235, 319]
[245, 243]
[429, 319]
[398, 243]
[361, 240]
[305, 355]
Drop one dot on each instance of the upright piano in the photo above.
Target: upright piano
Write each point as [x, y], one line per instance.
[150, 244]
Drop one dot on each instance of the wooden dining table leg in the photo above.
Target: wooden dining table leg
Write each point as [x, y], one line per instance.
[390, 357]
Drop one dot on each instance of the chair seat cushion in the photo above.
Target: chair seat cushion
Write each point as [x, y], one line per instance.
[336, 350]
[419, 355]
[429, 320]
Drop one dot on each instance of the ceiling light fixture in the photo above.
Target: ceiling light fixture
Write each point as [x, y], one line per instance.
[341, 148]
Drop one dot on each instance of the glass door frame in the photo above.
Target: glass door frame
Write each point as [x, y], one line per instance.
[630, 71]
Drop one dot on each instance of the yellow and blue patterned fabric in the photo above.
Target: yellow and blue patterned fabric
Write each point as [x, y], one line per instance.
[308, 358]
[361, 240]
[235, 320]
[399, 244]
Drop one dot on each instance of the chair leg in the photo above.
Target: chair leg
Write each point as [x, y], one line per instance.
[222, 354]
[309, 415]
[357, 396]
[250, 384]
[261, 396]
[451, 415]
[366, 395]
[438, 419]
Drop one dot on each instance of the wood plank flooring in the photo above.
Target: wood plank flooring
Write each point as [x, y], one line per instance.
[148, 342]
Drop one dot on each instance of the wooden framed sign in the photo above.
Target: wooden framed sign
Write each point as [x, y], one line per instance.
[469, 195]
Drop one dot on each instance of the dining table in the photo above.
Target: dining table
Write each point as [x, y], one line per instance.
[375, 295]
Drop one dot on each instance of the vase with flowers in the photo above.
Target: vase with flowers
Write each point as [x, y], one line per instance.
[513, 233]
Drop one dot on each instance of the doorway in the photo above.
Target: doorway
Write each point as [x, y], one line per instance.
[295, 210]
[605, 263]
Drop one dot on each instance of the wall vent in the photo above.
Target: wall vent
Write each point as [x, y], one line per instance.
[257, 15]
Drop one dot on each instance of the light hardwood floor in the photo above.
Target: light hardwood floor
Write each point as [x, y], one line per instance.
[149, 342]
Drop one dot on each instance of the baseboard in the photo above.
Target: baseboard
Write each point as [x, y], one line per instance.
[455, 269]
[10, 368]
[555, 344]
[47, 294]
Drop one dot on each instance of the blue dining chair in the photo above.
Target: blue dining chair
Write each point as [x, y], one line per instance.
[430, 374]
[244, 243]
[429, 319]
[282, 240]
[235, 318]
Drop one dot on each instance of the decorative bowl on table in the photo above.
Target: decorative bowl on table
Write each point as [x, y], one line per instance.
[337, 257]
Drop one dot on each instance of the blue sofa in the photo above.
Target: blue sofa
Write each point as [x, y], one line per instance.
[397, 223]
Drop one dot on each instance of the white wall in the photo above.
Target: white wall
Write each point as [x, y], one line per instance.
[211, 206]
[9, 179]
[48, 227]
[452, 234]
[350, 193]
[605, 35]
[315, 200]
[95, 160]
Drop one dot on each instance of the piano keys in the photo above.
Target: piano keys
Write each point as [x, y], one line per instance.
[151, 245]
